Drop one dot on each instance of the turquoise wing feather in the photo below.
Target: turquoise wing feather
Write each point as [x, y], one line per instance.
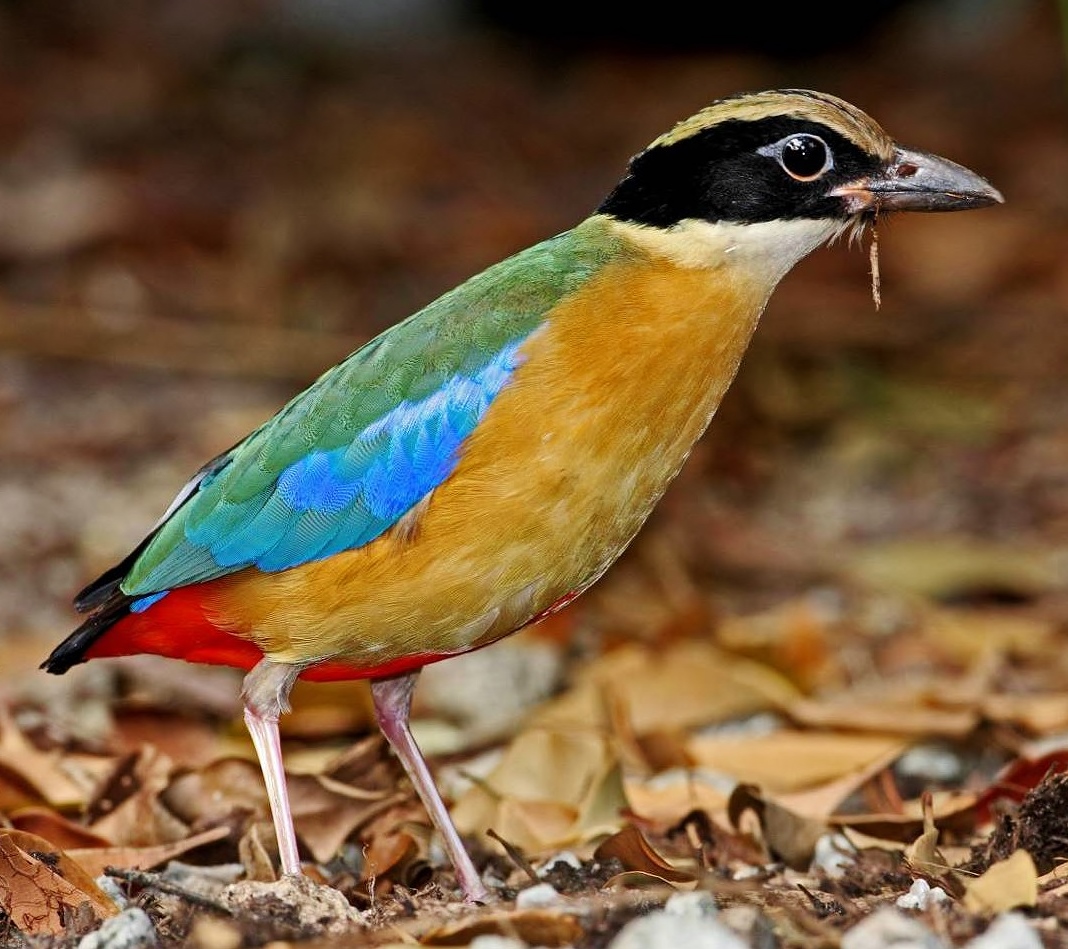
[345, 459]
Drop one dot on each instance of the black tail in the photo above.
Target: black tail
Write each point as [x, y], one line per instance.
[112, 608]
[106, 586]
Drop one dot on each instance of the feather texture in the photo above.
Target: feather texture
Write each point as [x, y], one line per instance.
[348, 457]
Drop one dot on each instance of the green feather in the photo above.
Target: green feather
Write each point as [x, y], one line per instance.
[459, 333]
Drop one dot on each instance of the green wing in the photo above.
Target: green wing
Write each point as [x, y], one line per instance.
[347, 457]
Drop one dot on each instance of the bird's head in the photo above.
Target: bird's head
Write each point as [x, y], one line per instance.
[776, 174]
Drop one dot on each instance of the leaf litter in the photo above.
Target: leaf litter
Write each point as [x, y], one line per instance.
[831, 666]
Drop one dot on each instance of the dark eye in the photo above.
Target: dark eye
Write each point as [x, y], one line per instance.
[803, 157]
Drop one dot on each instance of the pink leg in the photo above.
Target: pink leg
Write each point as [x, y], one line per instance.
[266, 695]
[393, 702]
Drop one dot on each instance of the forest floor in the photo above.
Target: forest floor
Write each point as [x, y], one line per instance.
[829, 674]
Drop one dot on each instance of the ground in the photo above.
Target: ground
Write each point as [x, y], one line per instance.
[831, 666]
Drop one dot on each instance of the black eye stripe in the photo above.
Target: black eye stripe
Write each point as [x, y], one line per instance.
[732, 172]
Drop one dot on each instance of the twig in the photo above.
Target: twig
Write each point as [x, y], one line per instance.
[515, 856]
[153, 881]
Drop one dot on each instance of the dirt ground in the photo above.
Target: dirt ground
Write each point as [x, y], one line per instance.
[831, 666]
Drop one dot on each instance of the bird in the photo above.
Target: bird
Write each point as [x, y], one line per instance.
[477, 466]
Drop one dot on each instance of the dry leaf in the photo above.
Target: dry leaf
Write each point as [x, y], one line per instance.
[96, 859]
[954, 811]
[968, 635]
[631, 849]
[1006, 885]
[216, 791]
[897, 711]
[62, 863]
[30, 776]
[670, 796]
[822, 801]
[789, 760]
[689, 683]
[923, 855]
[56, 829]
[789, 836]
[536, 927]
[127, 808]
[326, 813]
[532, 826]
[257, 850]
[939, 567]
[1038, 714]
[36, 894]
[551, 789]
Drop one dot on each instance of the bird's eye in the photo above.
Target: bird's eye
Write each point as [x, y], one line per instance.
[803, 157]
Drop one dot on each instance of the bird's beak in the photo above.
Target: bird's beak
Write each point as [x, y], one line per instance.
[917, 181]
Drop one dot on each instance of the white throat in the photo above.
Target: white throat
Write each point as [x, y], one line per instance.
[766, 250]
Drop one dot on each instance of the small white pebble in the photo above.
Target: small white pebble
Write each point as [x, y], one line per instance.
[890, 929]
[662, 930]
[833, 854]
[111, 887]
[131, 929]
[921, 895]
[564, 856]
[1008, 931]
[697, 904]
[541, 894]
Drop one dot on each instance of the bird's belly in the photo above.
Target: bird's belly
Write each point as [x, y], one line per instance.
[484, 561]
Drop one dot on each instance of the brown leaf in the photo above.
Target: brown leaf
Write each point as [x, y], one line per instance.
[215, 791]
[667, 801]
[35, 893]
[923, 855]
[789, 836]
[939, 567]
[385, 852]
[127, 808]
[790, 760]
[536, 927]
[823, 800]
[59, 830]
[898, 712]
[62, 863]
[552, 788]
[1038, 714]
[327, 812]
[687, 684]
[30, 776]
[96, 859]
[954, 811]
[630, 848]
[257, 850]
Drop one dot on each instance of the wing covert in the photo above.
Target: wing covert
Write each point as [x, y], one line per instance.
[345, 459]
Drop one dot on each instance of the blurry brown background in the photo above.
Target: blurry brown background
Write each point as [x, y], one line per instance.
[203, 203]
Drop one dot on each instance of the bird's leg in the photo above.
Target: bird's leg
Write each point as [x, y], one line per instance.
[393, 702]
[266, 697]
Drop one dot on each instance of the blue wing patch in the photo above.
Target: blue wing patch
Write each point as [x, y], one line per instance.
[328, 501]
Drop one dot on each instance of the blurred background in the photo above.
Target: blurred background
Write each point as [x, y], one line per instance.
[204, 203]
